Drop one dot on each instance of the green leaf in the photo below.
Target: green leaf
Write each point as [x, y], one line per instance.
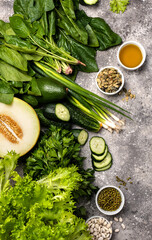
[118, 5]
[5, 28]
[52, 23]
[6, 98]
[44, 22]
[34, 90]
[84, 53]
[68, 8]
[32, 57]
[10, 73]
[13, 57]
[72, 29]
[22, 45]
[32, 9]
[104, 34]
[20, 26]
[92, 39]
[5, 88]
[106, 37]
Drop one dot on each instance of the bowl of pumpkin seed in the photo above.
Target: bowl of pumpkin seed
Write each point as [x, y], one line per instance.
[110, 80]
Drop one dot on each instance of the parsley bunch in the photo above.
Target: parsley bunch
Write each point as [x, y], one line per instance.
[58, 148]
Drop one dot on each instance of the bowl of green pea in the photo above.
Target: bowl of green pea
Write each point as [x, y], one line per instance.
[110, 200]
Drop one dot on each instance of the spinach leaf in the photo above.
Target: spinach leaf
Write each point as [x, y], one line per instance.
[72, 29]
[68, 8]
[38, 29]
[5, 28]
[32, 9]
[32, 57]
[6, 98]
[92, 39]
[83, 53]
[106, 37]
[22, 45]
[13, 57]
[6, 93]
[34, 90]
[52, 24]
[10, 73]
[20, 26]
[44, 22]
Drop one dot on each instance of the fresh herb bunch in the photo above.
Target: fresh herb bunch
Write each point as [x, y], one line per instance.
[58, 148]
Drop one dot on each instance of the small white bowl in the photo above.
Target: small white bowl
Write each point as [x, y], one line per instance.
[141, 49]
[104, 220]
[113, 93]
[110, 212]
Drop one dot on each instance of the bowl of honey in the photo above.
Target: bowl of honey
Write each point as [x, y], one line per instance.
[131, 55]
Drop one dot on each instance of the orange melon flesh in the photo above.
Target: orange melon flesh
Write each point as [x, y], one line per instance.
[19, 127]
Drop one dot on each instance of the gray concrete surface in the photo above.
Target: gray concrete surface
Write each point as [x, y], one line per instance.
[131, 149]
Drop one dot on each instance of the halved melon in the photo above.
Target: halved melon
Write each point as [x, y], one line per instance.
[19, 127]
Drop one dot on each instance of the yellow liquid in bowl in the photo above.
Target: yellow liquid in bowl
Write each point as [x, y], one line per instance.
[130, 56]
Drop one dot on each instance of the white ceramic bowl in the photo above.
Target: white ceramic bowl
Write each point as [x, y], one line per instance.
[101, 218]
[141, 49]
[113, 93]
[110, 212]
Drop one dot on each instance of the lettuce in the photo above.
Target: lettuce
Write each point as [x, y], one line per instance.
[118, 5]
[39, 210]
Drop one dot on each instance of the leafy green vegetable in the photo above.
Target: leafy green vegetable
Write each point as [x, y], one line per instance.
[106, 37]
[5, 29]
[10, 73]
[6, 92]
[71, 28]
[84, 53]
[13, 58]
[58, 148]
[68, 8]
[19, 44]
[7, 166]
[42, 210]
[118, 5]
[32, 9]
[20, 26]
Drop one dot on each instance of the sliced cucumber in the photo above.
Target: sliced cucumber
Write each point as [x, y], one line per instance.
[97, 158]
[81, 135]
[88, 2]
[104, 168]
[62, 112]
[97, 145]
[107, 160]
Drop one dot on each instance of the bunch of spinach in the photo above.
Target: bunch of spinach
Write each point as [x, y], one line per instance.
[54, 33]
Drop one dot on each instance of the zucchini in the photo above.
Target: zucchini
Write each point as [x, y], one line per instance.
[88, 2]
[107, 160]
[104, 168]
[81, 135]
[97, 145]
[97, 158]
[56, 112]
[51, 90]
[81, 119]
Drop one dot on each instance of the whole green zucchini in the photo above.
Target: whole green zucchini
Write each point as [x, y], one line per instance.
[51, 90]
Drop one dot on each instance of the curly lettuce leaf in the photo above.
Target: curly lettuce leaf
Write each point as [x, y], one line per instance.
[118, 5]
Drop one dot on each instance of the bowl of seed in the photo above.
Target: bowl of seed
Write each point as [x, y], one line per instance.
[110, 80]
[100, 228]
[110, 200]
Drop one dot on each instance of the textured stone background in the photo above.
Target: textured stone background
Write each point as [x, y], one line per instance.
[132, 147]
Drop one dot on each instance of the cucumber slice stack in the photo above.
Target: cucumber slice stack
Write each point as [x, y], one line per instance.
[101, 157]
